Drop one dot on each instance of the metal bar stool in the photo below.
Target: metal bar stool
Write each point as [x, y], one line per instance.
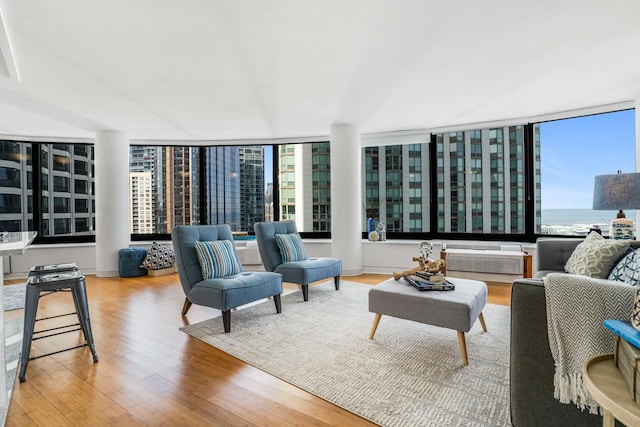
[45, 284]
[38, 270]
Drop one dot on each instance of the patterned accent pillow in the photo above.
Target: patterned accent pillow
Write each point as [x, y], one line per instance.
[595, 256]
[291, 247]
[218, 259]
[627, 269]
[158, 257]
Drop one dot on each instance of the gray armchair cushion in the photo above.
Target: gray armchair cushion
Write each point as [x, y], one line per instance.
[233, 291]
[309, 270]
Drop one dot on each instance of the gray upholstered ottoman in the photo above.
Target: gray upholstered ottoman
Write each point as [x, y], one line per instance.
[457, 309]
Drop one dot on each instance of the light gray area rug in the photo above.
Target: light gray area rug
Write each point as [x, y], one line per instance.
[13, 296]
[410, 374]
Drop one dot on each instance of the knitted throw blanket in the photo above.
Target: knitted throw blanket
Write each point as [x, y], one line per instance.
[576, 308]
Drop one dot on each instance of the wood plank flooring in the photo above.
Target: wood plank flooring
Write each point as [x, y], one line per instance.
[151, 374]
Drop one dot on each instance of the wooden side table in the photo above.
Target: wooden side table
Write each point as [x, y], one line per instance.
[606, 385]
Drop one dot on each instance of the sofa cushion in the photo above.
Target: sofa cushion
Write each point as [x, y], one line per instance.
[595, 256]
[628, 268]
[217, 259]
[291, 247]
[158, 257]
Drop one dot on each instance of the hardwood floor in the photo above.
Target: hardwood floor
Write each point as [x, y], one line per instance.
[151, 374]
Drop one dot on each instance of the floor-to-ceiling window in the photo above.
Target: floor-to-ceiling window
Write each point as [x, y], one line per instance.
[173, 185]
[477, 176]
[304, 186]
[396, 187]
[234, 185]
[48, 188]
[572, 152]
[505, 182]
[476, 171]
[501, 182]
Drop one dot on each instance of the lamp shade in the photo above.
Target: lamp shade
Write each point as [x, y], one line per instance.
[616, 191]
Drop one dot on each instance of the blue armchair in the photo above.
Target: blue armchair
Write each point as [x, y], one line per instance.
[221, 292]
[301, 270]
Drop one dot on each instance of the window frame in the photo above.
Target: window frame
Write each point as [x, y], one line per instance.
[530, 188]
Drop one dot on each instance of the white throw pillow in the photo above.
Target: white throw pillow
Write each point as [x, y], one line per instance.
[595, 256]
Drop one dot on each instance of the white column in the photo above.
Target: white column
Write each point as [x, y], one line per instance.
[112, 200]
[346, 205]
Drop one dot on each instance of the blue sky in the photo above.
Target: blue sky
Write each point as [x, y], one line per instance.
[574, 151]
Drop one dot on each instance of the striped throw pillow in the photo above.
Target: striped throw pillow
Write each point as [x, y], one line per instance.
[291, 247]
[217, 259]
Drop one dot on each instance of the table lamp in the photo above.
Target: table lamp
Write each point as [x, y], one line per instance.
[618, 192]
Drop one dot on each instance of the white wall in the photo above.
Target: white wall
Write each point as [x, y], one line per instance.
[378, 257]
[83, 254]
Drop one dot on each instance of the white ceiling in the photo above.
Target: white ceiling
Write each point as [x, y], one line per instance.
[196, 70]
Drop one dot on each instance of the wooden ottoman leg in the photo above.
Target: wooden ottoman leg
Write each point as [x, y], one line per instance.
[376, 320]
[484, 326]
[463, 347]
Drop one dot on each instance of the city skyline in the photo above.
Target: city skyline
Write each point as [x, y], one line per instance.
[588, 140]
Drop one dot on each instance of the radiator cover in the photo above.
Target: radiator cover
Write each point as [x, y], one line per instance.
[485, 261]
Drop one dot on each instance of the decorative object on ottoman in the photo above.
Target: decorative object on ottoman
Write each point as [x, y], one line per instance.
[159, 260]
[425, 264]
[129, 260]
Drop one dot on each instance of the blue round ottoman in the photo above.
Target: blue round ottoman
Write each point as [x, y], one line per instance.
[129, 260]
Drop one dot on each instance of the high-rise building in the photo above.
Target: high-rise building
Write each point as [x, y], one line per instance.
[141, 202]
[15, 179]
[480, 184]
[165, 190]
[268, 202]
[180, 181]
[305, 185]
[223, 186]
[396, 187]
[252, 192]
[142, 197]
[67, 204]
[163, 184]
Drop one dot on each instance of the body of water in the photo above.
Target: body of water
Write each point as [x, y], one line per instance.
[579, 216]
[577, 221]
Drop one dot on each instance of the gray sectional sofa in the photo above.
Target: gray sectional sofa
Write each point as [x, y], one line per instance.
[531, 364]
